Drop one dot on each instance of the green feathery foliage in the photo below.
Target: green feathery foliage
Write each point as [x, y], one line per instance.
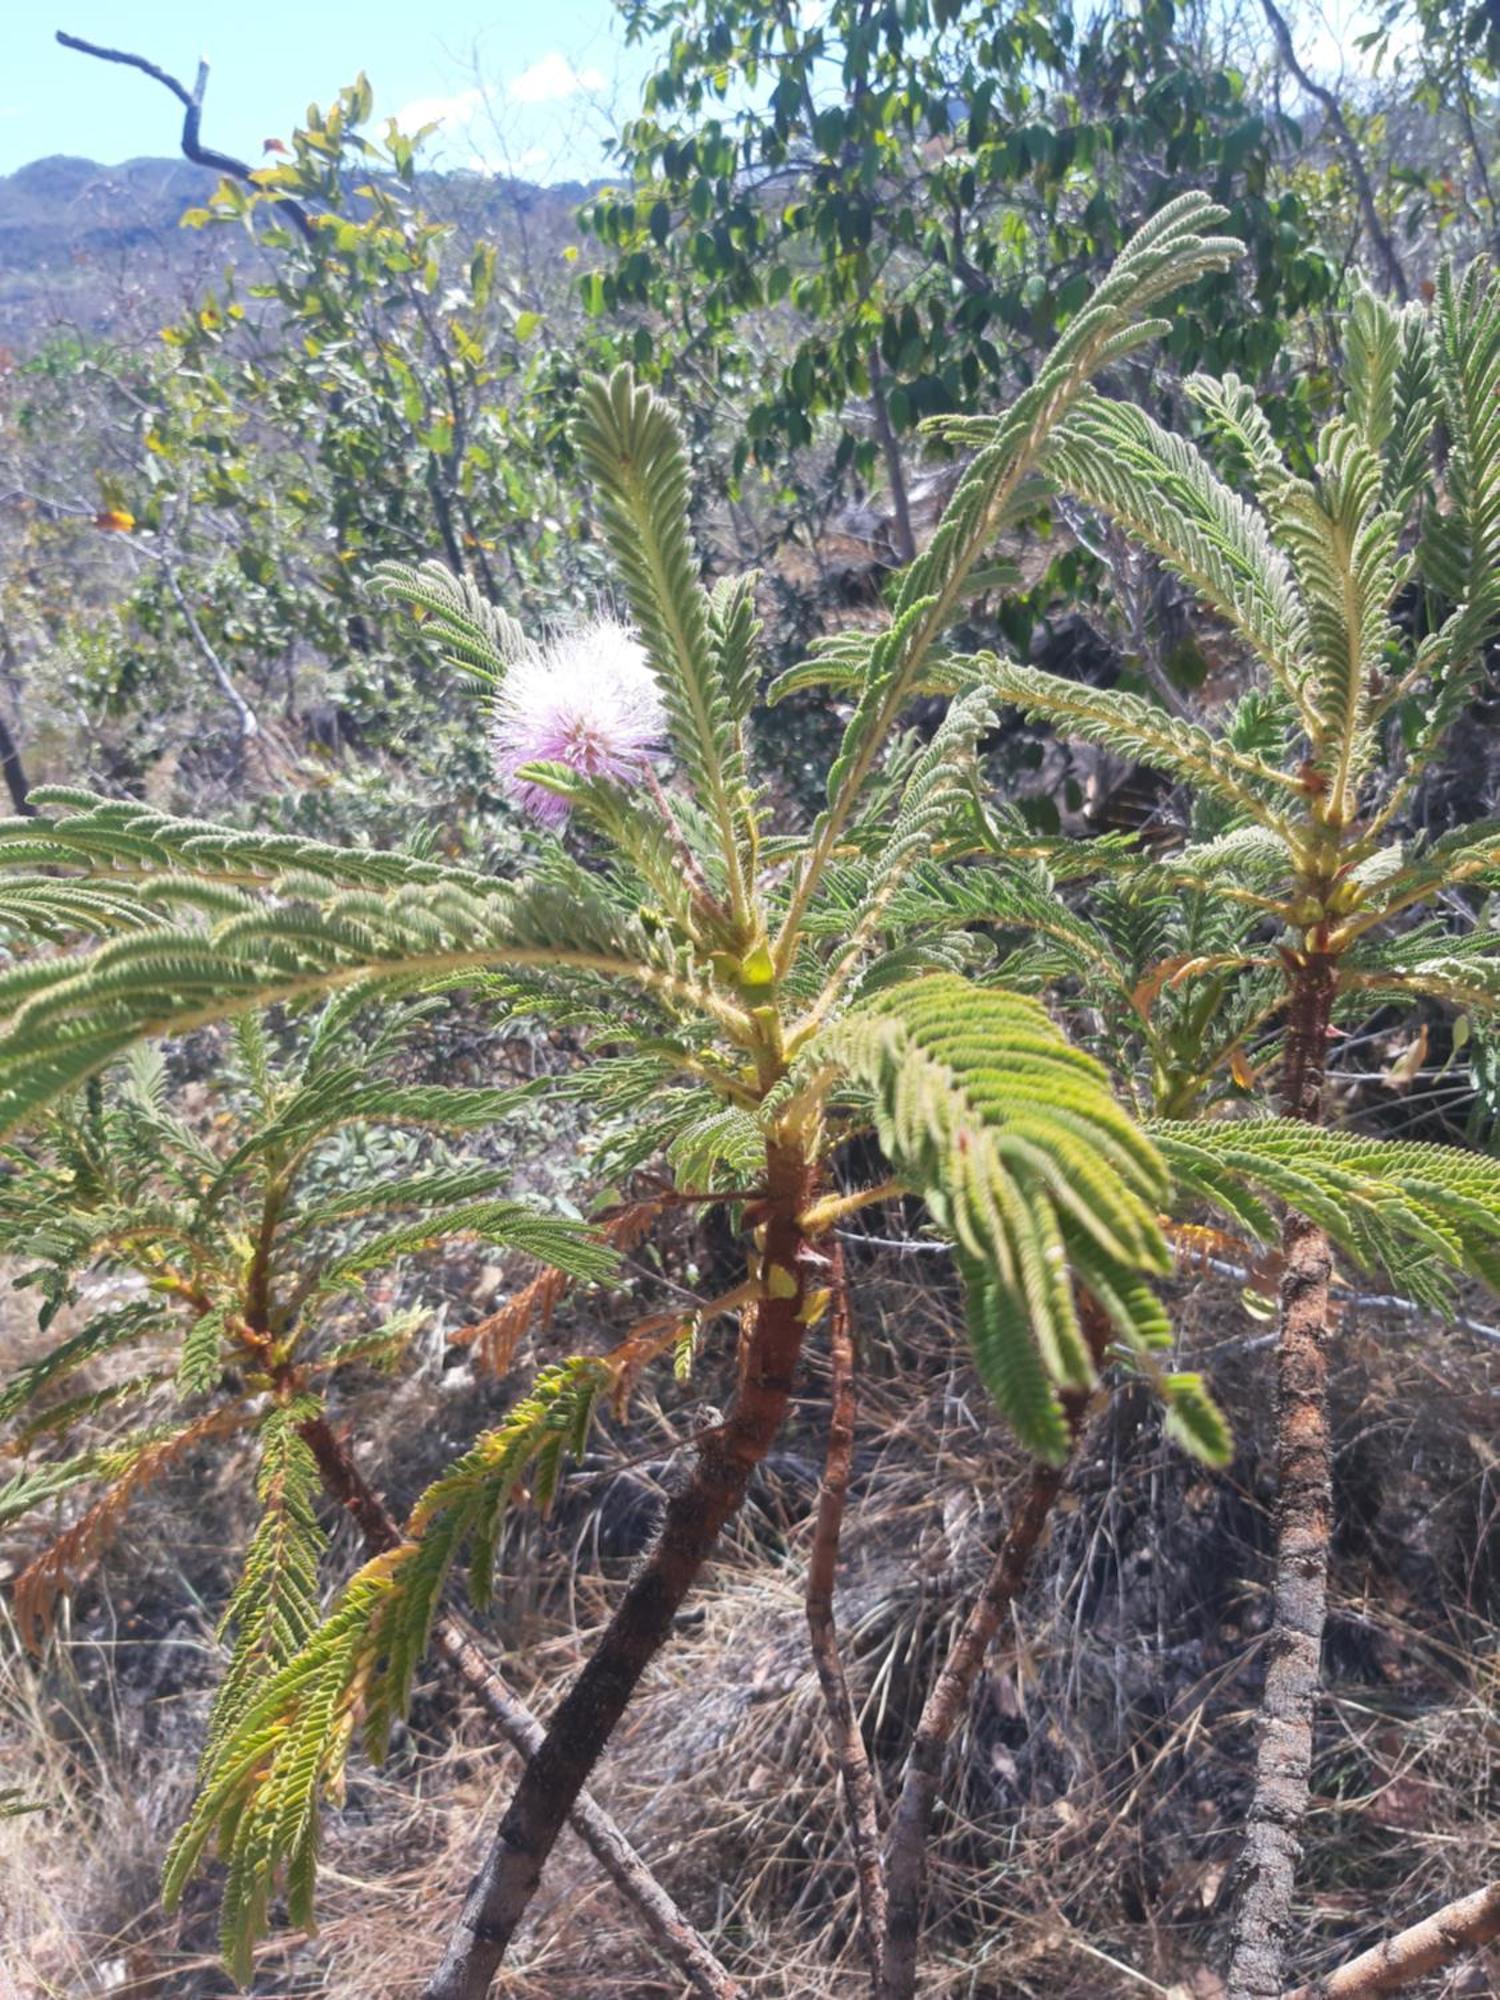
[1170, 251]
[1131, 726]
[248, 1224]
[274, 1608]
[1025, 1159]
[1362, 590]
[630, 446]
[266, 1771]
[1422, 1213]
[294, 1733]
[1298, 798]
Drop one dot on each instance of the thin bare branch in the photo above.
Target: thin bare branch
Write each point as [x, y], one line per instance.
[906, 1851]
[244, 713]
[850, 1752]
[1348, 147]
[14, 772]
[192, 144]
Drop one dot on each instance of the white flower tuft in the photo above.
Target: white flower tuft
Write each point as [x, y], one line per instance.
[586, 699]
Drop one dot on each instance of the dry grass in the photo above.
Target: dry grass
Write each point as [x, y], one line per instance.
[1101, 1776]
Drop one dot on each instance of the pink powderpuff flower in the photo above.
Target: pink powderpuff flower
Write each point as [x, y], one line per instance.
[586, 699]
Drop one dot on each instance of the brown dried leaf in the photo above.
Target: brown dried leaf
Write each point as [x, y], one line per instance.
[59, 1569]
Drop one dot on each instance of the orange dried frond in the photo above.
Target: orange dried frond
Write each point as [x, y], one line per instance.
[627, 1227]
[495, 1338]
[1241, 1068]
[651, 1337]
[1195, 1244]
[59, 1569]
[645, 1341]
[1179, 970]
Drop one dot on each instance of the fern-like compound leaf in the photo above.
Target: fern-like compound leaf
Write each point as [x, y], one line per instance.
[629, 443]
[509, 1225]
[280, 1748]
[1161, 490]
[1421, 1212]
[1172, 249]
[1020, 1151]
[1460, 552]
[478, 638]
[121, 1326]
[1131, 726]
[200, 1363]
[274, 1608]
[66, 1017]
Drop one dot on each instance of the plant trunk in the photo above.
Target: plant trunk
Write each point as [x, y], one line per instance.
[904, 539]
[674, 1937]
[587, 1715]
[1304, 1521]
[850, 1753]
[14, 772]
[906, 1851]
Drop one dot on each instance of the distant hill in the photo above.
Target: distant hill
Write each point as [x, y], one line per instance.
[100, 249]
[97, 247]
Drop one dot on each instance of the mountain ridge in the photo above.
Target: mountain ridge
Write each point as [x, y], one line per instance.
[98, 250]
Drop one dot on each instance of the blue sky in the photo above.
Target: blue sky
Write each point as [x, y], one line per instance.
[530, 84]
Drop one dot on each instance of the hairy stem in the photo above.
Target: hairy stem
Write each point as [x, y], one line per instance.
[674, 1937]
[1304, 1519]
[850, 1753]
[586, 1717]
[906, 1851]
[1449, 1932]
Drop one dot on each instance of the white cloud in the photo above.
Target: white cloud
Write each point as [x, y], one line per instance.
[551, 79]
[450, 112]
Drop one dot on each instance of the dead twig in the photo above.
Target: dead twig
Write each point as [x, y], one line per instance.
[850, 1752]
[191, 101]
[906, 1851]
[244, 714]
[1348, 148]
[1457, 1927]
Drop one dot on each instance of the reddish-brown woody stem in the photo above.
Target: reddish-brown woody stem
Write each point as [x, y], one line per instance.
[587, 1716]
